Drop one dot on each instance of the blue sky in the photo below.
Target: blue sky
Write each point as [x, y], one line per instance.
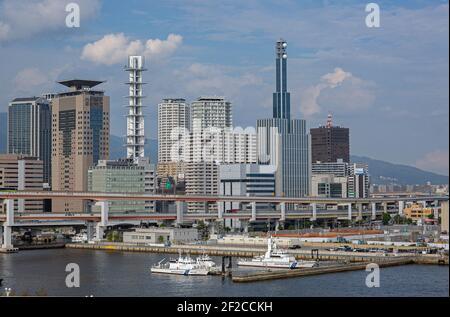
[389, 85]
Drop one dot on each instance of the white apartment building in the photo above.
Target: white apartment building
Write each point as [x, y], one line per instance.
[211, 112]
[173, 117]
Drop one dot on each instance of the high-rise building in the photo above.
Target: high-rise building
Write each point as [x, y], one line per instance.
[123, 175]
[283, 141]
[135, 116]
[173, 126]
[30, 131]
[330, 143]
[210, 112]
[173, 116]
[293, 153]
[19, 172]
[358, 180]
[281, 97]
[80, 138]
[224, 146]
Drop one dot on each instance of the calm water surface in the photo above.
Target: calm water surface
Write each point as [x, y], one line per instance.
[105, 273]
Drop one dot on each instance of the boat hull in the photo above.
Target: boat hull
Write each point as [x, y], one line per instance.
[294, 265]
[192, 272]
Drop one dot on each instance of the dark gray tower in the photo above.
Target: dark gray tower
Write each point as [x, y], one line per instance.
[281, 97]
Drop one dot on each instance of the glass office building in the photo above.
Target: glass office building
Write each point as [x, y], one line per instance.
[30, 130]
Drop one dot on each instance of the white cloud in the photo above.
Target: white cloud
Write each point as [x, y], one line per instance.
[436, 161]
[202, 79]
[340, 90]
[4, 31]
[33, 79]
[114, 48]
[25, 18]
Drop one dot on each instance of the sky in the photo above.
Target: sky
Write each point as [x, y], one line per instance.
[389, 84]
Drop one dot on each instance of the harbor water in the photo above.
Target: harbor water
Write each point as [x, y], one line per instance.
[110, 273]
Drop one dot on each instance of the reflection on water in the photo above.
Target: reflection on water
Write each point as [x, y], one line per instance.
[109, 273]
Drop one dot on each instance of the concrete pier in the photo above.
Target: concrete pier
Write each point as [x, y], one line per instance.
[280, 274]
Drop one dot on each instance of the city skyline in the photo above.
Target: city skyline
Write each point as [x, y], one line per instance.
[398, 87]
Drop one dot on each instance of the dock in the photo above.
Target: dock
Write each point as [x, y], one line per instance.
[281, 274]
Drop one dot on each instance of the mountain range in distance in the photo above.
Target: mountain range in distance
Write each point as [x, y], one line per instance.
[381, 172]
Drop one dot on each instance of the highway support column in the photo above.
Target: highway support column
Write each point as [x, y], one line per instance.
[283, 211]
[180, 211]
[401, 205]
[253, 218]
[104, 213]
[349, 211]
[314, 212]
[374, 211]
[7, 226]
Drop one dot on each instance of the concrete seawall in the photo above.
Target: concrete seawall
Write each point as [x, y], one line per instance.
[353, 257]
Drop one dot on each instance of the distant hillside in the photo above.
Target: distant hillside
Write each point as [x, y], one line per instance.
[118, 150]
[3, 131]
[382, 172]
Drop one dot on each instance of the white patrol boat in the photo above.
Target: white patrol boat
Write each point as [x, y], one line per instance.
[181, 266]
[275, 258]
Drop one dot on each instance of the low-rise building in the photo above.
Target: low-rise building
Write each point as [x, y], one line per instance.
[417, 212]
[122, 176]
[328, 186]
[19, 172]
[160, 235]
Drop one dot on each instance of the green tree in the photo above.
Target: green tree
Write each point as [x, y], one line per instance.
[161, 239]
[386, 218]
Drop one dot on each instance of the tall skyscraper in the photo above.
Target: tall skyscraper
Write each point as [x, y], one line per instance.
[330, 143]
[30, 130]
[283, 141]
[210, 112]
[281, 97]
[80, 133]
[135, 117]
[173, 115]
[358, 180]
[173, 126]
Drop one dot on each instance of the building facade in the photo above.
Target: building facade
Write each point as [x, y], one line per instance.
[210, 112]
[289, 150]
[417, 212]
[329, 179]
[19, 172]
[202, 178]
[173, 126]
[329, 186]
[251, 180]
[30, 130]
[143, 236]
[330, 143]
[358, 180]
[80, 138]
[123, 176]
